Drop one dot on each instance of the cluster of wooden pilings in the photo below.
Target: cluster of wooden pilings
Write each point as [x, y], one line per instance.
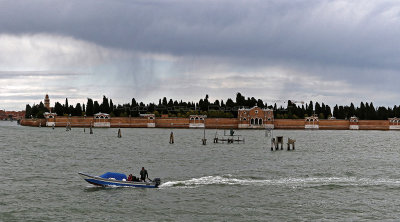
[275, 142]
[229, 140]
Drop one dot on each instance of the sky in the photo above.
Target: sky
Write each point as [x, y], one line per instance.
[328, 51]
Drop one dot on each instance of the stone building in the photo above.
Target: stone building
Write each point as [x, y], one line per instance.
[354, 123]
[3, 115]
[312, 122]
[255, 117]
[11, 115]
[102, 120]
[394, 123]
[50, 118]
[151, 120]
[197, 121]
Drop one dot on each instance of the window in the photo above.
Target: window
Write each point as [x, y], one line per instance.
[256, 111]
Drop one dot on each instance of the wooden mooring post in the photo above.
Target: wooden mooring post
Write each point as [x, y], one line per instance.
[204, 140]
[171, 138]
[119, 133]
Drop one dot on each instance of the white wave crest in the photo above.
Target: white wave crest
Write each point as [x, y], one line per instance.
[307, 181]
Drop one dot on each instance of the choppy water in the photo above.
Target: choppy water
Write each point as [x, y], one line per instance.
[332, 175]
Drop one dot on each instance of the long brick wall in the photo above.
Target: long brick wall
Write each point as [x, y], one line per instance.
[334, 124]
[289, 123]
[374, 124]
[221, 123]
[33, 122]
[126, 122]
[172, 122]
[210, 123]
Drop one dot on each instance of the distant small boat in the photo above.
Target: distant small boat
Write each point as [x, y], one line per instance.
[111, 179]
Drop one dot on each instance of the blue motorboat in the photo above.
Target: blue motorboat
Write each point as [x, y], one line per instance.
[111, 179]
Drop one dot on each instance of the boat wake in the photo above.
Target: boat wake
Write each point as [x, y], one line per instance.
[291, 182]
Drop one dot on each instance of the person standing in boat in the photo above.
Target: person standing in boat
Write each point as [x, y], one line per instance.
[144, 174]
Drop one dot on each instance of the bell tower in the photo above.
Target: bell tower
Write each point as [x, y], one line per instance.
[47, 102]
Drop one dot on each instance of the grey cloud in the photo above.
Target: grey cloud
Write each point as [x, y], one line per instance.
[23, 74]
[261, 31]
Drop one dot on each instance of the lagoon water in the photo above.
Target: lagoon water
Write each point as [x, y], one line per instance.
[332, 175]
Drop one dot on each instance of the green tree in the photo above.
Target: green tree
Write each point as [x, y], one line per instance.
[59, 109]
[111, 106]
[105, 106]
[240, 100]
[361, 111]
[66, 107]
[28, 111]
[260, 103]
[78, 110]
[96, 107]
[89, 107]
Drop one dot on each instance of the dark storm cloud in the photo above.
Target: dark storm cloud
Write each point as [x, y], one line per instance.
[334, 51]
[334, 33]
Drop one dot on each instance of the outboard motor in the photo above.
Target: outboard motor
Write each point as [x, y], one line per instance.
[157, 181]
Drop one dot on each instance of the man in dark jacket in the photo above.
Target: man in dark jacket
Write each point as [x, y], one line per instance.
[144, 174]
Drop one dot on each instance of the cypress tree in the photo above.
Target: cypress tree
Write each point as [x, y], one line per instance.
[66, 107]
[28, 111]
[336, 111]
[111, 106]
[89, 107]
[260, 103]
[240, 100]
[78, 110]
[105, 107]
[361, 112]
[318, 109]
[96, 107]
[59, 109]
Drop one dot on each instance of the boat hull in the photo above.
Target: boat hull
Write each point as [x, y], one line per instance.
[98, 181]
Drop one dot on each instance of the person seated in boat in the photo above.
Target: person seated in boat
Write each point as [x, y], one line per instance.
[130, 177]
[143, 174]
[135, 179]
